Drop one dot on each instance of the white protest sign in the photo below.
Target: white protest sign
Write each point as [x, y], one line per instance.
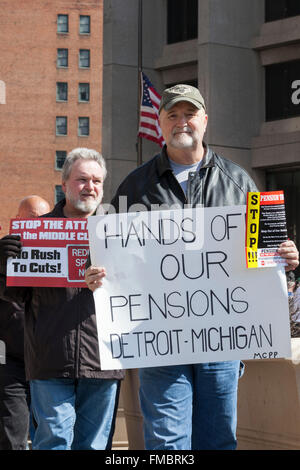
[178, 291]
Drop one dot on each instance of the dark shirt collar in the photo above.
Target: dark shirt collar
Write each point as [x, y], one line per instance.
[58, 210]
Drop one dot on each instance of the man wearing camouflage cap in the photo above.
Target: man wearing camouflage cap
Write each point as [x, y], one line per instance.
[188, 406]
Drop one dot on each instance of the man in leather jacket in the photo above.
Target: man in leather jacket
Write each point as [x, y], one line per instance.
[187, 406]
[73, 400]
[14, 388]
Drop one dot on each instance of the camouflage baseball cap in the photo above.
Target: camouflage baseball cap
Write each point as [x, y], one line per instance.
[178, 93]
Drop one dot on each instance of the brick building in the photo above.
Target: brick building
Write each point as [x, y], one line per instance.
[51, 93]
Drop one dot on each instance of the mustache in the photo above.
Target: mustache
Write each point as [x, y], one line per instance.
[182, 129]
[96, 198]
[88, 193]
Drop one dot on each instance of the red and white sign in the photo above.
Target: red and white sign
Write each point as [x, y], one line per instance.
[54, 253]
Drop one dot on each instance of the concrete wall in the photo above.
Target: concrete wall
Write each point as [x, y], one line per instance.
[230, 75]
[228, 70]
[120, 82]
[269, 404]
[277, 143]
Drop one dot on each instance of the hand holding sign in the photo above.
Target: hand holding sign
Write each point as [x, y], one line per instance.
[94, 276]
[289, 252]
[10, 245]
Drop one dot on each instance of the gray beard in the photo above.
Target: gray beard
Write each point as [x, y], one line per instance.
[85, 207]
[181, 141]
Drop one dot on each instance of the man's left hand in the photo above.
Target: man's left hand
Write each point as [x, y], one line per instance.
[289, 251]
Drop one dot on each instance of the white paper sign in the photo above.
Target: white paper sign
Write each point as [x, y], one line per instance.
[178, 291]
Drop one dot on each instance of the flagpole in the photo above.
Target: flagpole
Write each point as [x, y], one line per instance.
[140, 68]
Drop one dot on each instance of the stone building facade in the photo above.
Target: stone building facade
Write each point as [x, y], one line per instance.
[245, 58]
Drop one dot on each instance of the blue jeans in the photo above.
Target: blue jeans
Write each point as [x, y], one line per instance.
[190, 406]
[73, 414]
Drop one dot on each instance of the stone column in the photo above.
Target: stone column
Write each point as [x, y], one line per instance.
[269, 403]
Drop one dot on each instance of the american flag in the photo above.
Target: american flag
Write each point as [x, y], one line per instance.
[149, 127]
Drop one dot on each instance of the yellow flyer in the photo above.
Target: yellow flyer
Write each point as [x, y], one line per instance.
[265, 228]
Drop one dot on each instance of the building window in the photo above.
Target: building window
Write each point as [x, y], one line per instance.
[61, 91]
[59, 194]
[84, 58]
[61, 125]
[84, 92]
[83, 126]
[84, 24]
[2, 92]
[62, 58]
[62, 23]
[60, 156]
[282, 90]
[280, 9]
[182, 22]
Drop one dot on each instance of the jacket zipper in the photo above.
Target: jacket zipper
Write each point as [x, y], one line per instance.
[77, 345]
[189, 184]
[189, 196]
[191, 177]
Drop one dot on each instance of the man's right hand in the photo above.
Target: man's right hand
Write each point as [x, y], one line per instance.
[10, 245]
[94, 276]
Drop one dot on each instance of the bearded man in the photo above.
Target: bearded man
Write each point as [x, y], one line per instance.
[73, 400]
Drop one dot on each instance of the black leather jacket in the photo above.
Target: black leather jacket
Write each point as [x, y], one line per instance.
[12, 330]
[219, 182]
[60, 329]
